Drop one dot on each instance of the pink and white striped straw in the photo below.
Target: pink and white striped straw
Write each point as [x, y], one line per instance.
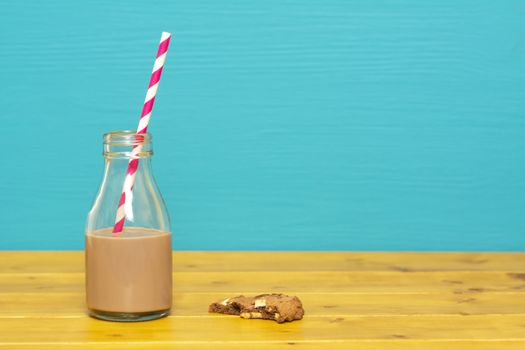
[124, 206]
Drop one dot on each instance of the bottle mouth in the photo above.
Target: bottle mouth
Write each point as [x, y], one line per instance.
[126, 138]
[127, 144]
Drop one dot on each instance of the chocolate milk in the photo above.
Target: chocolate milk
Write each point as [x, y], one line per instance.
[130, 272]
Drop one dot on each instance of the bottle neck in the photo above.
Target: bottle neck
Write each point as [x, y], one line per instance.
[116, 169]
[126, 145]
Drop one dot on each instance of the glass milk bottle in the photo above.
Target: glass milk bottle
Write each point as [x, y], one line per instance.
[128, 274]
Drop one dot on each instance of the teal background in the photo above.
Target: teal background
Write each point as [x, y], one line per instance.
[334, 124]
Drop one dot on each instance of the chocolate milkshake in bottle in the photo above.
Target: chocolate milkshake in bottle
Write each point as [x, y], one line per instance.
[128, 273]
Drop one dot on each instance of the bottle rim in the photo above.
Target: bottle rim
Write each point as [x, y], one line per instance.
[127, 144]
[126, 138]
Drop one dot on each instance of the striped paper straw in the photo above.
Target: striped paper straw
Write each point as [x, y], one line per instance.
[125, 203]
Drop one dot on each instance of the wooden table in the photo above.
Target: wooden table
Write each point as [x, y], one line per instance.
[352, 301]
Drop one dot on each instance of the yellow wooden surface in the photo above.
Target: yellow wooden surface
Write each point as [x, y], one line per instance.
[352, 300]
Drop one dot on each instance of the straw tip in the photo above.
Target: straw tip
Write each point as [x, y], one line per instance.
[165, 35]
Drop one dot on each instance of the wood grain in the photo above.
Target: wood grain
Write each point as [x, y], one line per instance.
[72, 261]
[234, 329]
[390, 344]
[71, 305]
[293, 282]
[395, 301]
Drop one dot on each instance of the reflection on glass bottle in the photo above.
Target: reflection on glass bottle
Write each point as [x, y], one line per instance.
[128, 275]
